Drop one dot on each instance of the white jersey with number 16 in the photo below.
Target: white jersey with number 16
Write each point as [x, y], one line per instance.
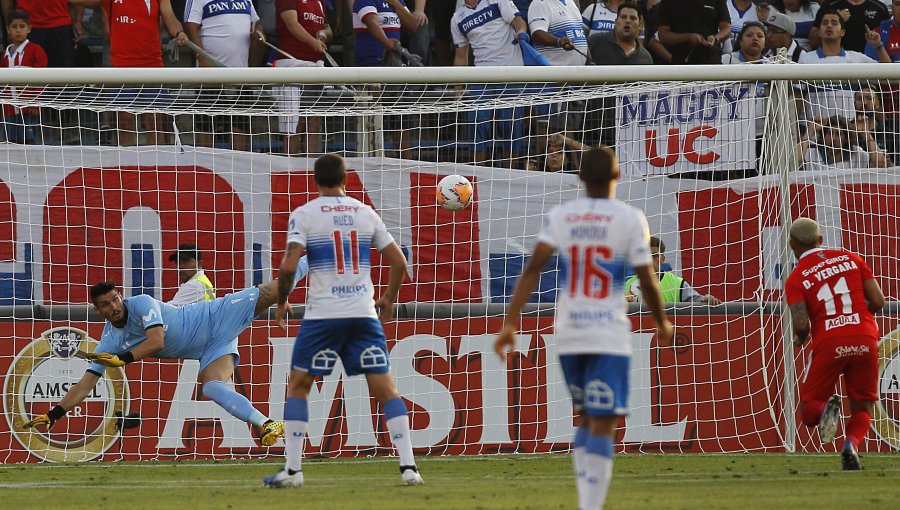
[599, 241]
[339, 234]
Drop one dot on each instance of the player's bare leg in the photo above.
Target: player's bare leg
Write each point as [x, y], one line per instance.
[597, 461]
[296, 422]
[214, 382]
[268, 292]
[396, 416]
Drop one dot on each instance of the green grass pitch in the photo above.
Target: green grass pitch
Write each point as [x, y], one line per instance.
[766, 481]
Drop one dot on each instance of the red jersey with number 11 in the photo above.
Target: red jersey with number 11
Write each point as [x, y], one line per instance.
[830, 282]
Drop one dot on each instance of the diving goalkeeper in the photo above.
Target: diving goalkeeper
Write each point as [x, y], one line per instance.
[141, 326]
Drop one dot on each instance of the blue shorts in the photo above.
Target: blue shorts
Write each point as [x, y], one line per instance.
[358, 342]
[229, 316]
[497, 126]
[598, 382]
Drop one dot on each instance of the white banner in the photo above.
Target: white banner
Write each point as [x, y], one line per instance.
[688, 129]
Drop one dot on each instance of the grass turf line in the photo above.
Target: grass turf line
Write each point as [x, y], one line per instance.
[767, 481]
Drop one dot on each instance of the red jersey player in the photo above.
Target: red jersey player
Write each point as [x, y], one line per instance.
[833, 293]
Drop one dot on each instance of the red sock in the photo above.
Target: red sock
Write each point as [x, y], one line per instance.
[857, 427]
[812, 411]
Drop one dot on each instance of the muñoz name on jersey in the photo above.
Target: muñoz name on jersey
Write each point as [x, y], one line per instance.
[339, 234]
[599, 241]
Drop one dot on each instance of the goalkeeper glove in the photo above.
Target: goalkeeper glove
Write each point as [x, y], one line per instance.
[106, 359]
[524, 37]
[48, 419]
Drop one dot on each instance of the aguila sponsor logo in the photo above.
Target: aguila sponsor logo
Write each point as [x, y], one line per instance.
[842, 320]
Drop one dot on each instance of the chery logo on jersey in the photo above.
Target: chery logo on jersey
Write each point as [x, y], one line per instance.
[37, 379]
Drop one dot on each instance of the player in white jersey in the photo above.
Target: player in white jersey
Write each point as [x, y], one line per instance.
[557, 31]
[337, 233]
[598, 239]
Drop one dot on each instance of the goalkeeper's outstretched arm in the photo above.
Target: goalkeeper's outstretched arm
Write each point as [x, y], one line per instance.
[76, 395]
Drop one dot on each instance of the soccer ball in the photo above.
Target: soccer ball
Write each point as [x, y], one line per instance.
[454, 192]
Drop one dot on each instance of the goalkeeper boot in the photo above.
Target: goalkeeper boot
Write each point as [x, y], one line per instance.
[283, 478]
[829, 419]
[270, 432]
[850, 458]
[409, 475]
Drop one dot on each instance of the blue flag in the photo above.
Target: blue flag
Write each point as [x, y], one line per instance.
[531, 57]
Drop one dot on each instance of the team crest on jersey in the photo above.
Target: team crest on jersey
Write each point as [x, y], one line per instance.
[886, 418]
[38, 377]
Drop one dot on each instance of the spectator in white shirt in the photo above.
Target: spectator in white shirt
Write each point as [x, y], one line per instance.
[558, 32]
[831, 31]
[803, 12]
[751, 42]
[222, 28]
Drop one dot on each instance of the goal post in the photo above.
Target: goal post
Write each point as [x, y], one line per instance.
[720, 159]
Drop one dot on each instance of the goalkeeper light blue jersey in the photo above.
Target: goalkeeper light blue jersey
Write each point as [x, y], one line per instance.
[188, 329]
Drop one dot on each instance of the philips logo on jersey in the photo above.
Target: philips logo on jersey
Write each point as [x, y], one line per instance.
[480, 18]
[583, 318]
[349, 290]
[843, 320]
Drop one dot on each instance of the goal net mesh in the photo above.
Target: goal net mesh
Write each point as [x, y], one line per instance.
[106, 182]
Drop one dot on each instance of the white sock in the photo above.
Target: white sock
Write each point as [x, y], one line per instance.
[294, 441]
[398, 427]
[580, 478]
[598, 472]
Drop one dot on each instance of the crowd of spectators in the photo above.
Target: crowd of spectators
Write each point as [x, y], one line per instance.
[297, 33]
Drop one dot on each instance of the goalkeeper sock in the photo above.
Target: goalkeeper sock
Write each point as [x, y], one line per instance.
[236, 404]
[598, 460]
[302, 270]
[857, 427]
[395, 414]
[579, 450]
[296, 420]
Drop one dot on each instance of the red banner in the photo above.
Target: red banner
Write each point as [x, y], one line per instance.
[717, 388]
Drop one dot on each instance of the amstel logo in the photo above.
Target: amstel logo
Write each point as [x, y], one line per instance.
[40, 376]
[886, 420]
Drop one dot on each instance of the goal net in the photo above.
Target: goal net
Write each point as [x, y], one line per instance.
[101, 180]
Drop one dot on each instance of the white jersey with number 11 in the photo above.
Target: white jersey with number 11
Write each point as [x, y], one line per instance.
[339, 234]
[599, 241]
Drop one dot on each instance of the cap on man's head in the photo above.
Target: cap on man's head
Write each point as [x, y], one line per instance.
[186, 252]
[783, 22]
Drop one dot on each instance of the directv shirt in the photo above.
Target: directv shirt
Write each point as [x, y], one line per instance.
[599, 17]
[186, 329]
[598, 240]
[488, 29]
[339, 234]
